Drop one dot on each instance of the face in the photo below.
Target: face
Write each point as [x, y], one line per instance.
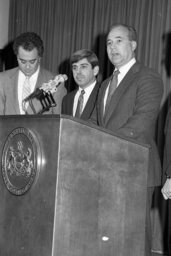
[28, 61]
[83, 73]
[120, 49]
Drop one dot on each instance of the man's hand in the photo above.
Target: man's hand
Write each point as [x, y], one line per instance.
[166, 190]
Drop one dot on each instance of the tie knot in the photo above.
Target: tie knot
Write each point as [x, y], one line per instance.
[27, 78]
[116, 73]
[82, 92]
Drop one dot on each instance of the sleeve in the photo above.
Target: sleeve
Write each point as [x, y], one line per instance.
[58, 97]
[2, 97]
[167, 146]
[146, 107]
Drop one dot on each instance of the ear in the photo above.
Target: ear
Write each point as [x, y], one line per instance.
[96, 70]
[39, 59]
[134, 45]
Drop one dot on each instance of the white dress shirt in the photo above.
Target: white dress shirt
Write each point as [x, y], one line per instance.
[122, 72]
[21, 80]
[87, 93]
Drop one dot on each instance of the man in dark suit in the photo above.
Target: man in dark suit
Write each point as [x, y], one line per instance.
[166, 189]
[85, 68]
[166, 186]
[29, 49]
[134, 105]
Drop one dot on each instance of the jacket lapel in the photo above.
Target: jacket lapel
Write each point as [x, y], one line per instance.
[40, 79]
[120, 90]
[90, 103]
[100, 101]
[14, 88]
[70, 103]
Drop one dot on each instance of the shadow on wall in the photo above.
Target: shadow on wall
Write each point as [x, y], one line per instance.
[8, 59]
[64, 68]
[106, 67]
[167, 53]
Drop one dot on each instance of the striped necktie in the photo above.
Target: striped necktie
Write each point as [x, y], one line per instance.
[26, 88]
[26, 92]
[80, 104]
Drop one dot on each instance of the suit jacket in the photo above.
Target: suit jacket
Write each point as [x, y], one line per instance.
[9, 104]
[68, 102]
[133, 111]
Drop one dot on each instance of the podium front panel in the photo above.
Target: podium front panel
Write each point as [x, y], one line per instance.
[102, 183]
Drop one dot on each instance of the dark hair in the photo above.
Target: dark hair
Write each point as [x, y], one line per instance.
[132, 34]
[84, 53]
[29, 41]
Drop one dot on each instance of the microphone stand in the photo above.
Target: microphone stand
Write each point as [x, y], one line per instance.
[41, 99]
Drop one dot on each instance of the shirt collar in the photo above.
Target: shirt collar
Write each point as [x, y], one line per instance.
[124, 69]
[88, 88]
[32, 77]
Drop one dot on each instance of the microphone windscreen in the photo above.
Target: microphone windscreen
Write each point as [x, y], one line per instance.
[65, 77]
[61, 78]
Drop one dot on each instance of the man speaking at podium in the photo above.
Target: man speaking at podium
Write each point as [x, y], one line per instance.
[18, 83]
[128, 104]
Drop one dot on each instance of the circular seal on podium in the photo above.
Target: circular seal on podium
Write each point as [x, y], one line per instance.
[20, 160]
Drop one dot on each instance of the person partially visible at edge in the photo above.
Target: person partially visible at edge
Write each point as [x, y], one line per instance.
[29, 50]
[85, 69]
[166, 186]
[134, 106]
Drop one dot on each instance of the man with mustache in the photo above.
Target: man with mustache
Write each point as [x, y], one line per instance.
[18, 83]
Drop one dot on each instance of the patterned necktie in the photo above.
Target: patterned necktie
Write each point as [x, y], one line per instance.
[26, 92]
[80, 104]
[26, 88]
[112, 87]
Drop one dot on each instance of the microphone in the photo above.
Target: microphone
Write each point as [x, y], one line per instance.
[49, 87]
[52, 85]
[41, 99]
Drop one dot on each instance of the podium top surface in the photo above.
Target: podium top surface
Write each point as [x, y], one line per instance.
[60, 118]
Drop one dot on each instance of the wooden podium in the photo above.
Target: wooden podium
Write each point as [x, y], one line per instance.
[68, 188]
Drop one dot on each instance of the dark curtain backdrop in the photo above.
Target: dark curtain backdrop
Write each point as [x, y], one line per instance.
[68, 25]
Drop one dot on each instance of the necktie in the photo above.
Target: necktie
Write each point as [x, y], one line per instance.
[26, 88]
[112, 87]
[80, 104]
[26, 92]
